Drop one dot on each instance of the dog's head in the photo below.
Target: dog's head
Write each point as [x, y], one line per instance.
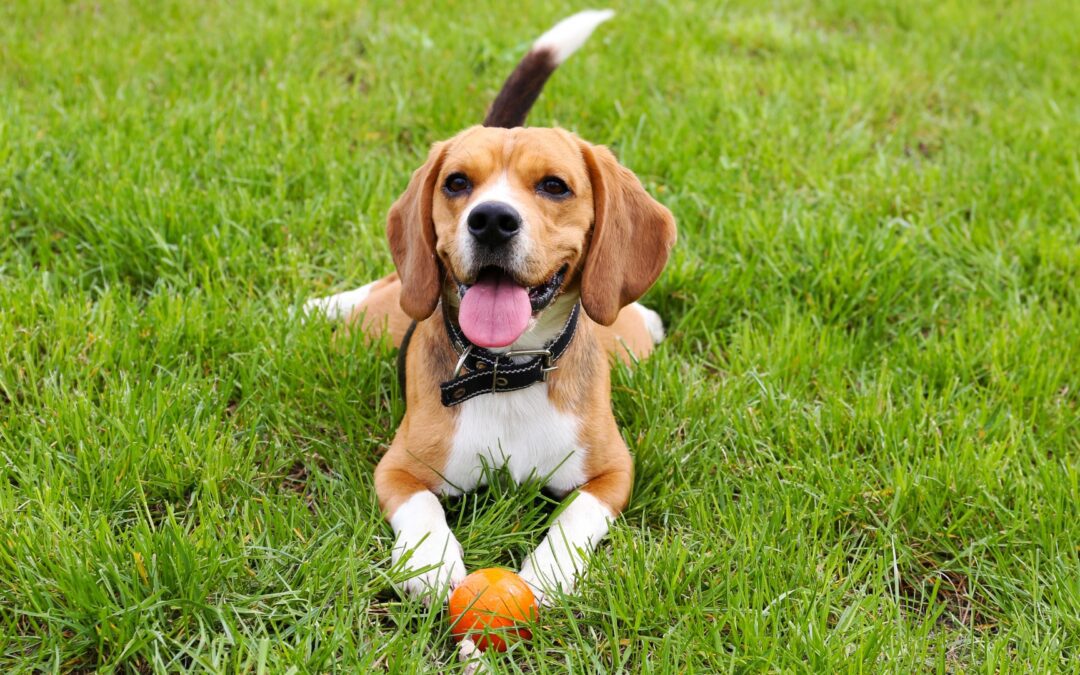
[508, 219]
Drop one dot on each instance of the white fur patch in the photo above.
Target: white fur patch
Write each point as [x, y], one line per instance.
[653, 323]
[567, 36]
[339, 306]
[499, 191]
[520, 430]
[560, 558]
[426, 540]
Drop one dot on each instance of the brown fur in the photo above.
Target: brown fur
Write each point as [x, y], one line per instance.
[411, 234]
[612, 235]
[630, 229]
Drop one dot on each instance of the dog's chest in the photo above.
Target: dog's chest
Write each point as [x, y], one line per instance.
[520, 430]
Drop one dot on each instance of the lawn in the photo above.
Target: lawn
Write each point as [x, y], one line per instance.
[858, 450]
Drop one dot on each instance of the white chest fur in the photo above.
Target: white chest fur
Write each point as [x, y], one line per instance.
[520, 430]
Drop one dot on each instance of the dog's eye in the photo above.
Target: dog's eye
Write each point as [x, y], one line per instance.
[456, 183]
[553, 186]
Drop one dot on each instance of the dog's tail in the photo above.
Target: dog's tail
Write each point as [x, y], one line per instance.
[524, 85]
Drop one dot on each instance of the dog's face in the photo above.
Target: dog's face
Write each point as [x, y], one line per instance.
[519, 202]
[514, 217]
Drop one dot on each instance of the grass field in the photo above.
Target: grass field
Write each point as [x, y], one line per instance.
[858, 450]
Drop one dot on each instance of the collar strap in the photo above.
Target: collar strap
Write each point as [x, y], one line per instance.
[480, 371]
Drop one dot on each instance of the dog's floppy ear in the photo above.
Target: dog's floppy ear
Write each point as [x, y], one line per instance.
[411, 231]
[631, 238]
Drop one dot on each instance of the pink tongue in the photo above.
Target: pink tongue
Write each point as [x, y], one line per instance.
[495, 311]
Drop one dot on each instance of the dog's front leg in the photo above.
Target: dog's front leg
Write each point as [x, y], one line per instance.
[424, 540]
[560, 558]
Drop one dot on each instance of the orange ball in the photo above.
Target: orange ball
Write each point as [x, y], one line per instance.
[489, 606]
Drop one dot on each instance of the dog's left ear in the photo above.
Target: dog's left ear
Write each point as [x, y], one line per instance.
[631, 238]
[411, 231]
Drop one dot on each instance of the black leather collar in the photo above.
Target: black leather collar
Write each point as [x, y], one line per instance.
[480, 371]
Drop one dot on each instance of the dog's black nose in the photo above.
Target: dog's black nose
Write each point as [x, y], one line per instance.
[494, 223]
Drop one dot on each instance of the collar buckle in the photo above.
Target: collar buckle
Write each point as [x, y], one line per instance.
[545, 354]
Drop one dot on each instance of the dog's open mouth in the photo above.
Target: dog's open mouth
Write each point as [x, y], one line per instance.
[495, 310]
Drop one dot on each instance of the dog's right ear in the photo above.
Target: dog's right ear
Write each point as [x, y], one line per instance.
[411, 231]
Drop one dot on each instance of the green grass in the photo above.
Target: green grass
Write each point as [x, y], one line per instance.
[858, 450]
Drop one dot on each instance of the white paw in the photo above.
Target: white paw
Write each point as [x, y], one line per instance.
[435, 559]
[545, 585]
[338, 306]
[471, 656]
[426, 546]
[561, 557]
[546, 575]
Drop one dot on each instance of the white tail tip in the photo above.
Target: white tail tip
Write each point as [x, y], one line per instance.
[567, 36]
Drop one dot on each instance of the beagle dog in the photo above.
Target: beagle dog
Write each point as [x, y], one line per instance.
[520, 253]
